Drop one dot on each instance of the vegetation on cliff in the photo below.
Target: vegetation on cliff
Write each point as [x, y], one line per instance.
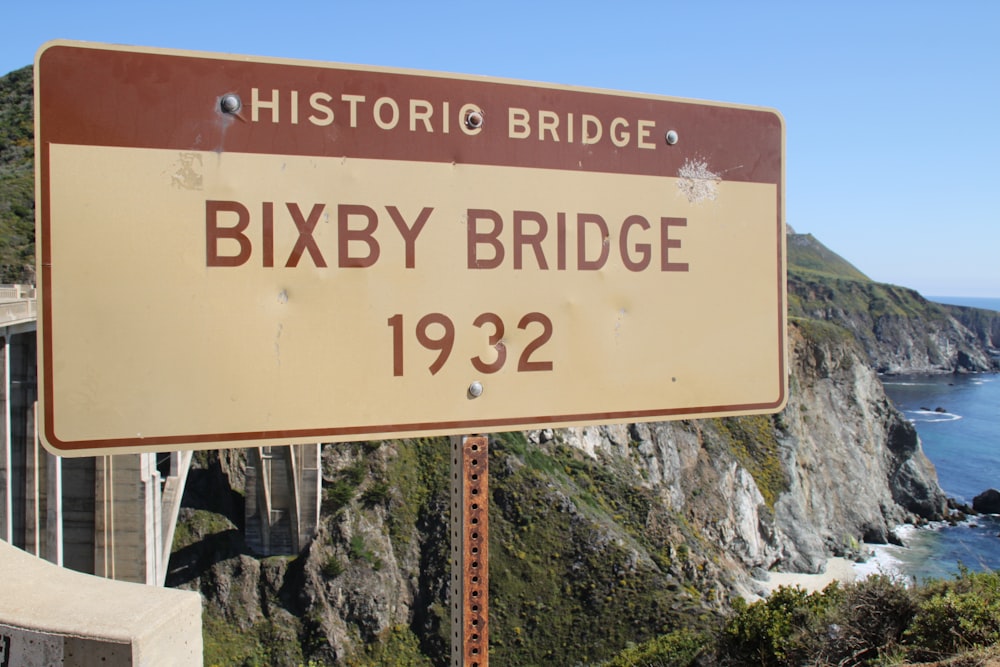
[577, 545]
[17, 178]
[876, 621]
[574, 546]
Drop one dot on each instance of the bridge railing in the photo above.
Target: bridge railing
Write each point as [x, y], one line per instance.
[16, 292]
[17, 304]
[18, 311]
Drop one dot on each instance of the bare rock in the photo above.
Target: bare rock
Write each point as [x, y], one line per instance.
[987, 502]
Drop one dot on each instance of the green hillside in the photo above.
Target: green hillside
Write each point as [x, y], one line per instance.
[819, 278]
[17, 190]
[807, 255]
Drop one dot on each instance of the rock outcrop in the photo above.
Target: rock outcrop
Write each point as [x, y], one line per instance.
[838, 466]
[984, 324]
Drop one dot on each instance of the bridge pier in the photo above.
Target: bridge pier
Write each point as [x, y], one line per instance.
[283, 486]
[18, 464]
[98, 515]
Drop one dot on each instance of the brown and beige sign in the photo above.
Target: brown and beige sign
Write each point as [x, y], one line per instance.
[243, 251]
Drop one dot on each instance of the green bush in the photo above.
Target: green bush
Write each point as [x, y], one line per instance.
[398, 647]
[956, 615]
[376, 494]
[679, 648]
[875, 621]
[332, 568]
[869, 622]
[337, 496]
[359, 551]
[782, 629]
[855, 624]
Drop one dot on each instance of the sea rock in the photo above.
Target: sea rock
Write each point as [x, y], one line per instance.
[987, 502]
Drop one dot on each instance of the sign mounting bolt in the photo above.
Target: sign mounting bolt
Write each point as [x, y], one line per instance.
[476, 389]
[231, 103]
[474, 120]
[672, 137]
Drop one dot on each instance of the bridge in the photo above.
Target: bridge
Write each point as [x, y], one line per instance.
[114, 516]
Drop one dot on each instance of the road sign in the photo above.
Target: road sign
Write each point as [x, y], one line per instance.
[244, 251]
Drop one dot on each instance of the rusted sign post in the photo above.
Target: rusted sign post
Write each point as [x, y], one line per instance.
[470, 533]
[241, 251]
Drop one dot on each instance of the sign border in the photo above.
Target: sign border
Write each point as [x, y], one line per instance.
[44, 138]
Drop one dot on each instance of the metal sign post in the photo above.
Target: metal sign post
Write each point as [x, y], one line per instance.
[469, 551]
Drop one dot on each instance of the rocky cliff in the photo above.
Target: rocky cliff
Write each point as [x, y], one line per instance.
[984, 324]
[901, 332]
[637, 529]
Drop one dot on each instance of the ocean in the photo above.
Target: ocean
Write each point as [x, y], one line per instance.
[958, 419]
[974, 301]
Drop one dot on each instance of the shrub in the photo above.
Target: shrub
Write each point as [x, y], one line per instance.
[359, 551]
[869, 622]
[679, 648]
[332, 568]
[337, 496]
[874, 621]
[376, 494]
[956, 615]
[780, 630]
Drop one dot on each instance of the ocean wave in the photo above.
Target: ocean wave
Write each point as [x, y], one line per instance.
[932, 416]
[907, 530]
[897, 562]
[882, 561]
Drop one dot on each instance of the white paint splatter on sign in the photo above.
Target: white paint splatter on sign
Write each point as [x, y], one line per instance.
[697, 182]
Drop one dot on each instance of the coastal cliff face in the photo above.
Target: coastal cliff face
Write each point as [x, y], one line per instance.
[839, 465]
[856, 464]
[984, 324]
[900, 331]
[637, 529]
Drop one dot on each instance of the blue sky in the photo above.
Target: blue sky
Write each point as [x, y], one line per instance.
[892, 108]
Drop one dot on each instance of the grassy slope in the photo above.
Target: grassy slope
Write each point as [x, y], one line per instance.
[807, 255]
[818, 278]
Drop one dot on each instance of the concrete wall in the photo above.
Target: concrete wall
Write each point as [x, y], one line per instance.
[53, 616]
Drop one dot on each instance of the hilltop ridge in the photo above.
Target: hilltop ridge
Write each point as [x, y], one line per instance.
[900, 330]
[807, 255]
